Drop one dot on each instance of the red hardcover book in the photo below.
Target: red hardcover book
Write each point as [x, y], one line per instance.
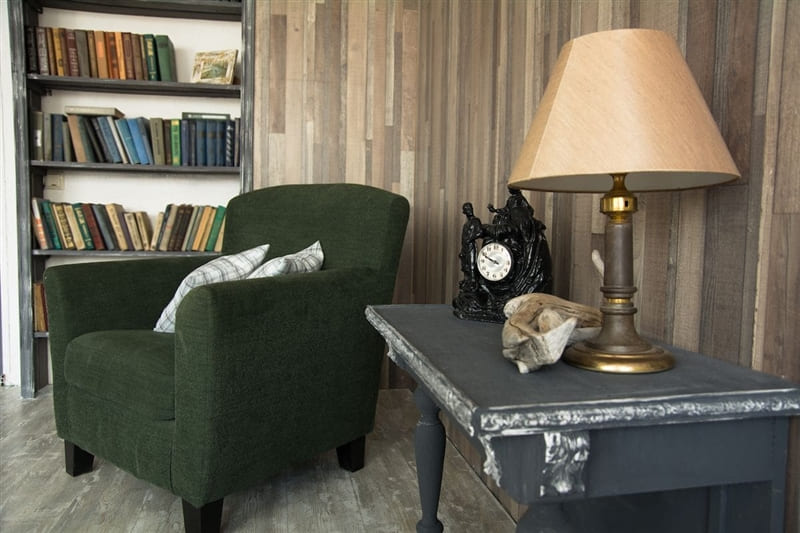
[94, 229]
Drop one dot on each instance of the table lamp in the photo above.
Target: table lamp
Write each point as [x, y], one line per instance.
[620, 114]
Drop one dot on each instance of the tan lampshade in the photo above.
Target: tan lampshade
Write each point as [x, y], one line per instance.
[622, 102]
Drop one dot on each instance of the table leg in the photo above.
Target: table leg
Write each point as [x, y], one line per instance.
[429, 452]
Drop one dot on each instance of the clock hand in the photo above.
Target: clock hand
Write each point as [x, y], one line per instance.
[492, 260]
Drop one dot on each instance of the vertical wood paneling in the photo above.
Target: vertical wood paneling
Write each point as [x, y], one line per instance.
[432, 99]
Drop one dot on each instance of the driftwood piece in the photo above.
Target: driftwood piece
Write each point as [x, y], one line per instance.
[540, 326]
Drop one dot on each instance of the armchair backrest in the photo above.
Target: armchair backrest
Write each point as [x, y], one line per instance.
[357, 225]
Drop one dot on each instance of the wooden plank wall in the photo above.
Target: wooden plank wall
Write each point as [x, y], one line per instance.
[432, 99]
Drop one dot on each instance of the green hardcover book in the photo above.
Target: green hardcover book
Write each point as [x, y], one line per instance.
[150, 56]
[166, 58]
[214, 233]
[83, 226]
[49, 219]
[175, 139]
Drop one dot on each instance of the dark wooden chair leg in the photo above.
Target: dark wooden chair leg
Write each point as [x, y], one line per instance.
[77, 461]
[351, 455]
[205, 519]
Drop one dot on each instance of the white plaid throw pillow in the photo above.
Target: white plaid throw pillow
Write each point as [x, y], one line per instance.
[307, 260]
[225, 268]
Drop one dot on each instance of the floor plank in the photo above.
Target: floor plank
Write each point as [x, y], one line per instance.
[36, 494]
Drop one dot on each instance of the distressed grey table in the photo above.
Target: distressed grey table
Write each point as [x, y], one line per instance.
[699, 448]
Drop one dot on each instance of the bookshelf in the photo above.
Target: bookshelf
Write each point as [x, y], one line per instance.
[33, 91]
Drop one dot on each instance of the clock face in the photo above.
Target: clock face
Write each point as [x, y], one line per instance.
[494, 261]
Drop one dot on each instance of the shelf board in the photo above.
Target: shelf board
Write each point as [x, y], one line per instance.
[119, 253]
[119, 167]
[159, 88]
[191, 9]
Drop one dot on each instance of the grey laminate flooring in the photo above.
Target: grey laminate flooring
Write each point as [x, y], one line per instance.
[36, 495]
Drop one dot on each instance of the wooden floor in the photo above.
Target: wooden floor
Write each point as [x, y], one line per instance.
[37, 495]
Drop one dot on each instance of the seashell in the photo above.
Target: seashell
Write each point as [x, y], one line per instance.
[541, 326]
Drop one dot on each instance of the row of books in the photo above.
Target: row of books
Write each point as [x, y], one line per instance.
[99, 54]
[102, 135]
[190, 228]
[93, 226]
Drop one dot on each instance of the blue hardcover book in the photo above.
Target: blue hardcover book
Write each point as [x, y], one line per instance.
[144, 130]
[138, 141]
[127, 140]
[219, 141]
[211, 147]
[108, 139]
[57, 123]
[184, 142]
[101, 141]
[200, 146]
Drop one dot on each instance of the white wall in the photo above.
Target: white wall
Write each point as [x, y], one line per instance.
[135, 192]
[9, 291]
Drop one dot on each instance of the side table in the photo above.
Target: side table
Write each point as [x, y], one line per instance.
[699, 448]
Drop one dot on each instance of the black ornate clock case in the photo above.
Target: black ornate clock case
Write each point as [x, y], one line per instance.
[485, 289]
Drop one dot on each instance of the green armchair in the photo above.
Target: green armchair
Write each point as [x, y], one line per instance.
[260, 373]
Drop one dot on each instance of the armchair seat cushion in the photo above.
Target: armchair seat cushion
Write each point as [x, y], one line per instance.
[134, 368]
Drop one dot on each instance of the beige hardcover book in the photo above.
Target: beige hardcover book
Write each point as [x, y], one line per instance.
[63, 226]
[169, 225]
[69, 211]
[143, 225]
[201, 228]
[156, 230]
[207, 229]
[115, 213]
[133, 229]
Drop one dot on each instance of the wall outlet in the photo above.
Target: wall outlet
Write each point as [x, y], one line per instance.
[54, 182]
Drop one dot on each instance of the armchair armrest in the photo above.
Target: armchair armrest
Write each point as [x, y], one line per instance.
[266, 372]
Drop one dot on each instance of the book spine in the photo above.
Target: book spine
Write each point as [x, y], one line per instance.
[191, 229]
[38, 225]
[219, 142]
[145, 233]
[127, 51]
[92, 50]
[166, 136]
[43, 63]
[221, 237]
[108, 138]
[157, 228]
[94, 141]
[111, 55]
[104, 223]
[94, 229]
[136, 49]
[99, 138]
[120, 47]
[65, 134]
[200, 147]
[133, 230]
[47, 137]
[157, 140]
[198, 242]
[51, 51]
[116, 220]
[144, 127]
[50, 224]
[237, 126]
[62, 224]
[31, 52]
[211, 146]
[185, 137]
[111, 127]
[82, 47]
[175, 138]
[138, 140]
[215, 226]
[127, 140]
[74, 228]
[150, 57]
[72, 65]
[57, 127]
[100, 52]
[169, 224]
[59, 49]
[83, 226]
[166, 58]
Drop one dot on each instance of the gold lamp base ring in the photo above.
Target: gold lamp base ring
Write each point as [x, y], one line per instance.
[653, 359]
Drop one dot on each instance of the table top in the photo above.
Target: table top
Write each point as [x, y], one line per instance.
[460, 363]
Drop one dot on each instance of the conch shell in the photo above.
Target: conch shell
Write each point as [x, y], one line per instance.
[540, 326]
